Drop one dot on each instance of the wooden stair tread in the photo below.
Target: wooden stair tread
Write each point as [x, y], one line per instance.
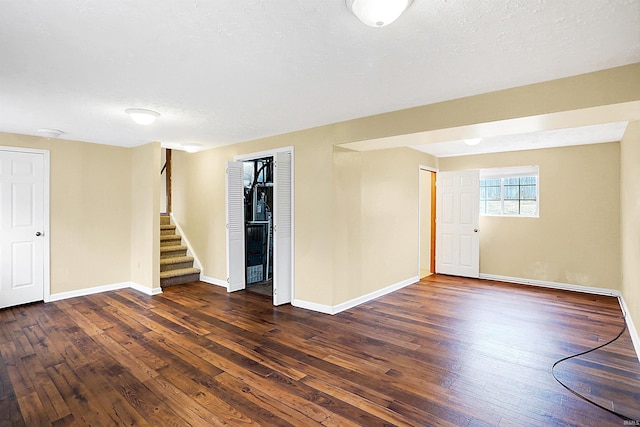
[180, 272]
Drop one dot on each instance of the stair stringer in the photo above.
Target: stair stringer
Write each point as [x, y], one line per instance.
[185, 240]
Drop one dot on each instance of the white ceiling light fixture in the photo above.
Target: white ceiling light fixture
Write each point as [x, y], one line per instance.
[472, 141]
[142, 116]
[378, 13]
[191, 148]
[50, 133]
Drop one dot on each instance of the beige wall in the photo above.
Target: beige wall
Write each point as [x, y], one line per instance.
[344, 246]
[337, 254]
[356, 214]
[90, 193]
[199, 206]
[576, 239]
[630, 218]
[104, 224]
[145, 219]
[376, 220]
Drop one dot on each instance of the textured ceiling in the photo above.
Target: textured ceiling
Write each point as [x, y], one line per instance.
[225, 71]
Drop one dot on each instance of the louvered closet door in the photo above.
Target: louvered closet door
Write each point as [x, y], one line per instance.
[235, 228]
[282, 229]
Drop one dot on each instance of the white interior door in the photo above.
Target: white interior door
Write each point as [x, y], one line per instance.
[22, 227]
[235, 228]
[457, 223]
[282, 229]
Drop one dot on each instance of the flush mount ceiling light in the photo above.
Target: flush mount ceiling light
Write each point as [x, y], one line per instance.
[141, 116]
[191, 148]
[472, 141]
[378, 13]
[50, 133]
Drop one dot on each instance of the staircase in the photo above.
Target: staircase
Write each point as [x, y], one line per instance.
[176, 267]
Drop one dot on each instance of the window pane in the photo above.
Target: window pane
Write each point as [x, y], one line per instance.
[493, 208]
[528, 207]
[511, 195]
[490, 203]
[511, 192]
[528, 180]
[528, 192]
[511, 207]
[493, 193]
[512, 181]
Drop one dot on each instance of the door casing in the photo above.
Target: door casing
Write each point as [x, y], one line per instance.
[431, 213]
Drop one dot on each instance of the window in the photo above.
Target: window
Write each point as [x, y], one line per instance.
[509, 191]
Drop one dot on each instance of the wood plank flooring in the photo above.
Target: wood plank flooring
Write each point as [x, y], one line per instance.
[443, 352]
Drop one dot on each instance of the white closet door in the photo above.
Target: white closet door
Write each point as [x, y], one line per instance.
[22, 217]
[457, 222]
[235, 227]
[282, 229]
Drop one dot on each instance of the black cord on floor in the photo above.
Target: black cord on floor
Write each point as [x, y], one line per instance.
[624, 417]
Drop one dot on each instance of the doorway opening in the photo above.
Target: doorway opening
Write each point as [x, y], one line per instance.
[165, 181]
[258, 214]
[260, 224]
[427, 226]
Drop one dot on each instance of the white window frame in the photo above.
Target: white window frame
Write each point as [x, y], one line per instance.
[512, 172]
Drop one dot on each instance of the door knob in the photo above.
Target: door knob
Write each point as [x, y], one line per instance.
[38, 234]
[475, 230]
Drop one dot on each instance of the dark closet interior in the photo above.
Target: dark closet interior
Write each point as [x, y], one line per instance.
[258, 205]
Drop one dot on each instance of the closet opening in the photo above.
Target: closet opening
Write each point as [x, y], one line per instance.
[260, 224]
[258, 214]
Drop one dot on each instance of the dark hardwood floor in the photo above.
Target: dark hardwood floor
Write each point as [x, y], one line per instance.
[444, 351]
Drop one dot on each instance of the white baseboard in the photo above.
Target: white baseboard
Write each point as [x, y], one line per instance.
[320, 308]
[327, 309]
[213, 281]
[635, 338]
[144, 289]
[104, 288]
[89, 291]
[554, 285]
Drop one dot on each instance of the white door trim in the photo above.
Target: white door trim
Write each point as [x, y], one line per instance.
[272, 153]
[427, 169]
[46, 268]
[261, 154]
